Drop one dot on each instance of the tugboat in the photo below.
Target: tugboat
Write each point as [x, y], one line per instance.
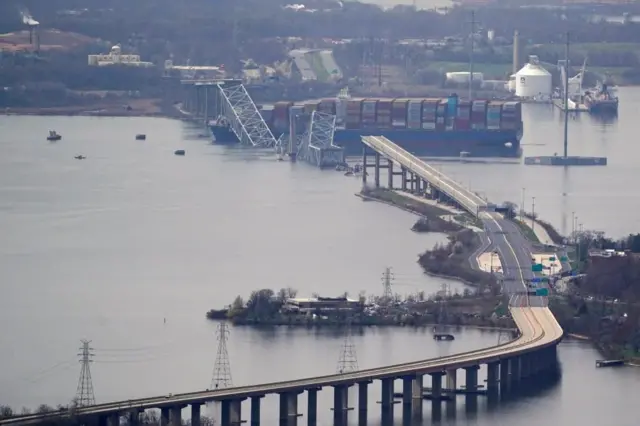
[601, 100]
[53, 136]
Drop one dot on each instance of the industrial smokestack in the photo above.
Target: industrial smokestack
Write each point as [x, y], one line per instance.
[516, 52]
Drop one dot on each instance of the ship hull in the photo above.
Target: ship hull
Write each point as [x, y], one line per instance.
[602, 107]
[429, 143]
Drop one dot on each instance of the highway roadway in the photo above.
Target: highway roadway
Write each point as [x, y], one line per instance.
[537, 325]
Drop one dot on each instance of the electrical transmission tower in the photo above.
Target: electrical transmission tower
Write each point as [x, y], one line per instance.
[222, 369]
[348, 361]
[84, 392]
[387, 280]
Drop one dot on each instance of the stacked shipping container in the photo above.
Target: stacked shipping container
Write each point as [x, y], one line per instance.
[414, 114]
[369, 113]
[441, 114]
[383, 114]
[479, 115]
[327, 106]
[494, 111]
[281, 116]
[399, 114]
[353, 116]
[511, 116]
[463, 117]
[429, 113]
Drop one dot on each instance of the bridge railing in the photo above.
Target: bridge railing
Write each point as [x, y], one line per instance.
[469, 200]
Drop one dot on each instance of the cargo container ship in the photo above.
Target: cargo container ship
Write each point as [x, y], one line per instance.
[441, 127]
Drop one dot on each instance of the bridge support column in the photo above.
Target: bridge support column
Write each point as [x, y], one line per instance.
[516, 371]
[312, 406]
[363, 402]
[231, 411]
[164, 416]
[391, 173]
[288, 406]
[176, 416]
[255, 410]
[403, 175]
[134, 417]
[377, 170]
[196, 415]
[436, 385]
[417, 395]
[340, 404]
[113, 419]
[492, 377]
[386, 401]
[471, 378]
[451, 383]
[504, 376]
[364, 165]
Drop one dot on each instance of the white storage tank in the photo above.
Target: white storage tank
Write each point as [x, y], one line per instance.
[533, 80]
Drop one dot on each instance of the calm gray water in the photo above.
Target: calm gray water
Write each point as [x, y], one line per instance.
[108, 247]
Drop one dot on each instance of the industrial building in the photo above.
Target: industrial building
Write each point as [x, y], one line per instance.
[115, 57]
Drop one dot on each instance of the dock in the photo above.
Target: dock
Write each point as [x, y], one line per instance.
[573, 106]
[557, 160]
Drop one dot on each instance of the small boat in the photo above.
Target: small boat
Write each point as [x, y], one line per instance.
[53, 136]
[79, 157]
[141, 137]
[179, 152]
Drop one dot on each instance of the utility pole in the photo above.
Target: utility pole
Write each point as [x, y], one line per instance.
[533, 214]
[566, 99]
[221, 377]
[473, 39]
[387, 280]
[84, 392]
[348, 360]
[522, 205]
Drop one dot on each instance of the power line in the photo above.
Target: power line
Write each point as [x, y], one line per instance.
[84, 392]
[222, 369]
[348, 360]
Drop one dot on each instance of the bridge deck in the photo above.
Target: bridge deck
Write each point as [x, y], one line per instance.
[471, 201]
[537, 325]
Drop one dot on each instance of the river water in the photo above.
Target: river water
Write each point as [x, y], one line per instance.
[110, 247]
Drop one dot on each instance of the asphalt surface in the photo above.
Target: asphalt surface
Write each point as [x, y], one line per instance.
[515, 253]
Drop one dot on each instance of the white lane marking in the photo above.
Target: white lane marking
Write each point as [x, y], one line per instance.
[512, 250]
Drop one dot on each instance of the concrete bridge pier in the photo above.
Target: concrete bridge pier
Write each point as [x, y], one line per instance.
[196, 415]
[390, 175]
[255, 410]
[340, 404]
[471, 378]
[417, 396]
[176, 416]
[504, 376]
[113, 419]
[230, 412]
[164, 416]
[436, 385]
[376, 170]
[451, 383]
[403, 173]
[289, 407]
[493, 369]
[312, 406]
[387, 401]
[133, 417]
[525, 367]
[516, 371]
[363, 402]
